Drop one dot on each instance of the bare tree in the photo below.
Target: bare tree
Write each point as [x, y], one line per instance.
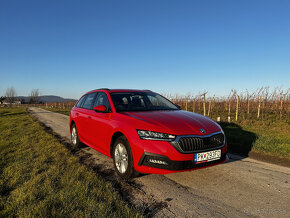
[10, 95]
[34, 96]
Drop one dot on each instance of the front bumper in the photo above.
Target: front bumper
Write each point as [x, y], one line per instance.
[163, 162]
[164, 151]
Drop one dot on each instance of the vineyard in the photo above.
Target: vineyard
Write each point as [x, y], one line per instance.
[262, 104]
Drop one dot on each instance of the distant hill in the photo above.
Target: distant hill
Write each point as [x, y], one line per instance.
[47, 99]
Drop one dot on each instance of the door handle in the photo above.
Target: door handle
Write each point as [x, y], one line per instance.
[77, 114]
[89, 117]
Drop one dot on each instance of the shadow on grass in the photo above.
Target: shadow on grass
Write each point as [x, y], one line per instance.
[5, 113]
[125, 188]
[239, 140]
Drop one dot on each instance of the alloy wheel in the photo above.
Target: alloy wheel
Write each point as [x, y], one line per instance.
[121, 158]
[74, 136]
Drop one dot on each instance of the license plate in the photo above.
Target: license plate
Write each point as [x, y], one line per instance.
[207, 156]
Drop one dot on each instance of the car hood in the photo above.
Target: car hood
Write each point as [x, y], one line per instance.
[176, 122]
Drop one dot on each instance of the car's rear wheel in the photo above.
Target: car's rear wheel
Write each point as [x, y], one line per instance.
[123, 159]
[75, 136]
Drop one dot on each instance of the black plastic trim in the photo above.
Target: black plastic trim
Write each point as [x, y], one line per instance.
[175, 165]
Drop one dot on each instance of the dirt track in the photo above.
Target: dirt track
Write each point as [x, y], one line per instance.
[239, 188]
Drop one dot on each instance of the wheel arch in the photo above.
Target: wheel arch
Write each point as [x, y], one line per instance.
[71, 123]
[113, 139]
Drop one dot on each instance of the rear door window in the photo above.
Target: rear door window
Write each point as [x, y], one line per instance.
[88, 104]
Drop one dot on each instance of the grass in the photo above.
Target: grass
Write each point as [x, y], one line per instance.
[65, 111]
[41, 177]
[269, 135]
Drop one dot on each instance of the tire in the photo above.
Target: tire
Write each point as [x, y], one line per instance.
[123, 159]
[75, 141]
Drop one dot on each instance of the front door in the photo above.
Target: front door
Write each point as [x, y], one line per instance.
[100, 124]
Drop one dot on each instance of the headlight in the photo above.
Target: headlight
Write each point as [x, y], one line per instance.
[144, 134]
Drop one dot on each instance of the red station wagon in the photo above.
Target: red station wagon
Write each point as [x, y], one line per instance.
[144, 132]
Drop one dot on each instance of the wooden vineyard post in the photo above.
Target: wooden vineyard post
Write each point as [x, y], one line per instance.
[248, 109]
[237, 108]
[204, 104]
[229, 111]
[248, 104]
[186, 104]
[193, 105]
[259, 107]
[263, 107]
[199, 109]
[209, 107]
[281, 106]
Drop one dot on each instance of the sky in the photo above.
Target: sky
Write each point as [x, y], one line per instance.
[67, 48]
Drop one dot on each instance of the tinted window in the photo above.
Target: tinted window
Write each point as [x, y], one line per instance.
[89, 101]
[102, 99]
[142, 101]
[79, 104]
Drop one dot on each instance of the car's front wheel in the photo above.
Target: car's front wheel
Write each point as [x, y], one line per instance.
[123, 159]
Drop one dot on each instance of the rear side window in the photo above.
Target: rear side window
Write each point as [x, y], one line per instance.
[79, 104]
[88, 104]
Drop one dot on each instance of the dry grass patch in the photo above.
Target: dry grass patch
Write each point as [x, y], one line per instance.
[40, 177]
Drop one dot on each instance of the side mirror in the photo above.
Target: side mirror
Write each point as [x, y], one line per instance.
[100, 108]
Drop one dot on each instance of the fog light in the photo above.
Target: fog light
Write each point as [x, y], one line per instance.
[157, 161]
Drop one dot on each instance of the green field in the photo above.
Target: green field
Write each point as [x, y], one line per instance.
[41, 177]
[268, 136]
[271, 138]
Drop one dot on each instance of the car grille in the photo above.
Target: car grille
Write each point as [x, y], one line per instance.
[192, 144]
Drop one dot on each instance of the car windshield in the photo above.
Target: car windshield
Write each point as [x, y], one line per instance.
[140, 101]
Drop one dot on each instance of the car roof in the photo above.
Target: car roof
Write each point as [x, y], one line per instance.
[118, 90]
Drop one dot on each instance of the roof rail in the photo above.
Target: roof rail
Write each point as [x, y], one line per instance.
[103, 89]
[99, 89]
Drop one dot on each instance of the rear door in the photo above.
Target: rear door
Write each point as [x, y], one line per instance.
[85, 115]
[76, 115]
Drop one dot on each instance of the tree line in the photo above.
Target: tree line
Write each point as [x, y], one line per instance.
[11, 96]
